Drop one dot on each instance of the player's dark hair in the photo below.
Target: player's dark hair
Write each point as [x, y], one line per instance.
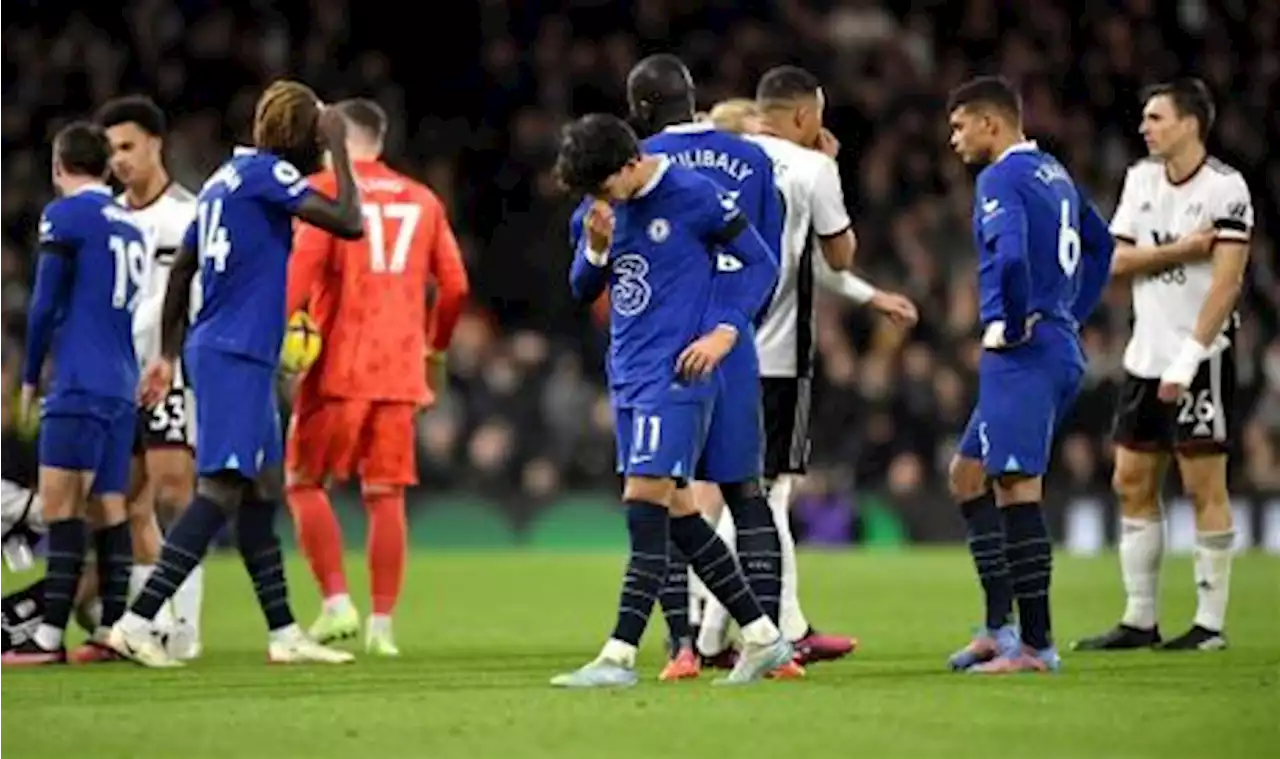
[81, 148]
[660, 92]
[783, 84]
[285, 122]
[365, 114]
[994, 92]
[592, 149]
[1190, 97]
[133, 109]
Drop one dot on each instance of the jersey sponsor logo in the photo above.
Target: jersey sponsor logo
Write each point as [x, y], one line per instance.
[659, 230]
[1195, 209]
[631, 291]
[1237, 210]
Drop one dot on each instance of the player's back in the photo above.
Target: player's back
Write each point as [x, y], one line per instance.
[93, 352]
[734, 163]
[1051, 206]
[660, 286]
[371, 302]
[243, 232]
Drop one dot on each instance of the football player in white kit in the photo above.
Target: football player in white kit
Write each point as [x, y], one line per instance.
[818, 249]
[1182, 227]
[164, 467]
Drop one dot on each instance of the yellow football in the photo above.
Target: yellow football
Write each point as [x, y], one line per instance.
[301, 345]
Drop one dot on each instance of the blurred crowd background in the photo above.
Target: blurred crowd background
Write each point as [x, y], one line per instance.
[477, 89]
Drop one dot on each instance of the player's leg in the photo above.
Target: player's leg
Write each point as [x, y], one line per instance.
[674, 600]
[71, 446]
[171, 471]
[1016, 431]
[970, 489]
[709, 502]
[387, 465]
[318, 434]
[1204, 480]
[713, 643]
[1143, 434]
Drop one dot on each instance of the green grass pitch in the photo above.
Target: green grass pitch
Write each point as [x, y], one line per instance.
[482, 633]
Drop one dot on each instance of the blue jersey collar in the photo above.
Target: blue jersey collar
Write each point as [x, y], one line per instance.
[655, 179]
[1018, 147]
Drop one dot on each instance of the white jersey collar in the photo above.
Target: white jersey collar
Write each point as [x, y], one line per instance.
[239, 150]
[1018, 147]
[689, 127]
[658, 174]
[98, 187]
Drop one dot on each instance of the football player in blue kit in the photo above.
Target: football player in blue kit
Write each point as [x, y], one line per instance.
[1044, 255]
[661, 95]
[678, 307]
[92, 261]
[240, 243]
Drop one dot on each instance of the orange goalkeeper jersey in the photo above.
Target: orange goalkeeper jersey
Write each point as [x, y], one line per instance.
[369, 296]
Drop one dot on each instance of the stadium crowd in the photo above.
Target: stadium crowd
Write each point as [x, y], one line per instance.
[475, 106]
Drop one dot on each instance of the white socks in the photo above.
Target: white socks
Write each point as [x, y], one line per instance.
[338, 604]
[189, 598]
[791, 618]
[1213, 578]
[618, 652]
[1141, 548]
[48, 637]
[761, 632]
[286, 634]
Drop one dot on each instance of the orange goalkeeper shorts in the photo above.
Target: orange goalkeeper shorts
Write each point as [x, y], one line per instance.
[335, 438]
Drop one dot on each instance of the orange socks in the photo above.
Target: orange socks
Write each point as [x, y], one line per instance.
[319, 536]
[388, 536]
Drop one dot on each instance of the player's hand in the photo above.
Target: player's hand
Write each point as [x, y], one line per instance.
[898, 308]
[994, 337]
[26, 404]
[599, 225]
[827, 143]
[705, 354]
[332, 128]
[157, 378]
[437, 376]
[1202, 239]
[1170, 392]
[1180, 373]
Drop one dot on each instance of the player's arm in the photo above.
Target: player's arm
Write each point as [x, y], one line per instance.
[452, 286]
[55, 271]
[1003, 227]
[177, 295]
[1132, 259]
[311, 249]
[340, 216]
[1097, 247]
[831, 219]
[1232, 223]
[746, 269]
[589, 272]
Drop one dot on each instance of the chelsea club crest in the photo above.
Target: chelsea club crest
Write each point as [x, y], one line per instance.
[659, 230]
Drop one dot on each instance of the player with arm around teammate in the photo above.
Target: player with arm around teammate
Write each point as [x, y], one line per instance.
[1182, 230]
[240, 243]
[92, 262]
[355, 409]
[1043, 260]
[673, 319]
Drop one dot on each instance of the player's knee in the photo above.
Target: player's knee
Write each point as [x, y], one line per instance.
[174, 489]
[966, 479]
[741, 492]
[655, 490]
[683, 503]
[1137, 488]
[297, 480]
[379, 495]
[1013, 489]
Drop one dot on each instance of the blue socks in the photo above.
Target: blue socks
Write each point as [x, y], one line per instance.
[184, 547]
[716, 566]
[68, 540]
[1030, 556]
[115, 560]
[759, 548]
[260, 549]
[646, 569]
[986, 545]
[675, 599]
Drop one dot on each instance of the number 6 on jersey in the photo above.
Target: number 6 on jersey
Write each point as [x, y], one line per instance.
[376, 216]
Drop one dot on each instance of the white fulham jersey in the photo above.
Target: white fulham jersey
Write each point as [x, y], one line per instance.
[166, 220]
[813, 201]
[1155, 211]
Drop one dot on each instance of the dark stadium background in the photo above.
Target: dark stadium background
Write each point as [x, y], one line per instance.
[476, 92]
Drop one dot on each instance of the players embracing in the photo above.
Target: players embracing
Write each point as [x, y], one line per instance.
[355, 410]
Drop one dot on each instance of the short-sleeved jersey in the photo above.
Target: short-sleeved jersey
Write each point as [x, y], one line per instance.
[740, 167]
[166, 219]
[1028, 192]
[660, 280]
[92, 348]
[1155, 211]
[369, 296]
[243, 232]
[813, 202]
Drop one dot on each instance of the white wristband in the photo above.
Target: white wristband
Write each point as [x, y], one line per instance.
[857, 289]
[1184, 367]
[596, 258]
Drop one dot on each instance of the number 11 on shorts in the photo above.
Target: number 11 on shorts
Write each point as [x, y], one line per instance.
[646, 438]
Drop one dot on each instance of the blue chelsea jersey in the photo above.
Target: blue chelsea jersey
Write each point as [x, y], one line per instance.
[107, 255]
[243, 231]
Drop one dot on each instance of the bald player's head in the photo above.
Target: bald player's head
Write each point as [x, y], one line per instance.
[660, 92]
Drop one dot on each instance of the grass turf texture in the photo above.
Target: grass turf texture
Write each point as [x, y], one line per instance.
[481, 634]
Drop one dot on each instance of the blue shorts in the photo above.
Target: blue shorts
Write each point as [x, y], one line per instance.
[237, 420]
[1023, 396]
[660, 439]
[89, 433]
[734, 449]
